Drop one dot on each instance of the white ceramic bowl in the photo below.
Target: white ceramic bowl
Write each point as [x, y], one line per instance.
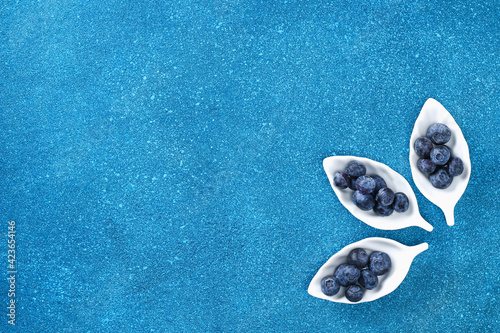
[401, 258]
[446, 199]
[394, 181]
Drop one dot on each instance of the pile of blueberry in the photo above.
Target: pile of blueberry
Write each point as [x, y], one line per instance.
[371, 192]
[361, 272]
[436, 159]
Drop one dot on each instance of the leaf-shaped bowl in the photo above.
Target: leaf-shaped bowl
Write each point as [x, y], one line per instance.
[446, 199]
[401, 258]
[394, 181]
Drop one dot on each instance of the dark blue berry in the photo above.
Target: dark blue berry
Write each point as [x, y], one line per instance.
[401, 202]
[380, 183]
[330, 286]
[347, 274]
[440, 179]
[426, 165]
[355, 169]
[354, 293]
[383, 210]
[365, 184]
[363, 201]
[358, 258]
[455, 166]
[380, 263]
[439, 133]
[341, 180]
[368, 279]
[440, 155]
[385, 196]
[423, 147]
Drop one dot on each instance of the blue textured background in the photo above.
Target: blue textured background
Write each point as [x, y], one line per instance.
[163, 160]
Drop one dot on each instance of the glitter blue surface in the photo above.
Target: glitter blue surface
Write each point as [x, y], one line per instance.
[163, 161]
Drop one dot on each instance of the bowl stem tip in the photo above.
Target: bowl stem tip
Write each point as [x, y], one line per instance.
[450, 216]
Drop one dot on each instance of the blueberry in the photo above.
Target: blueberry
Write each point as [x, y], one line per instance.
[455, 166]
[380, 183]
[330, 286]
[439, 133]
[383, 210]
[354, 293]
[365, 184]
[440, 155]
[426, 165]
[341, 180]
[363, 201]
[385, 196]
[423, 147]
[355, 169]
[401, 202]
[440, 179]
[380, 263]
[358, 257]
[347, 274]
[368, 279]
